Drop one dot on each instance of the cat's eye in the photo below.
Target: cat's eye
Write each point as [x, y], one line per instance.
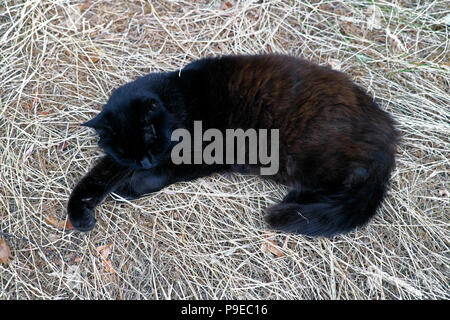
[153, 130]
[150, 134]
[152, 104]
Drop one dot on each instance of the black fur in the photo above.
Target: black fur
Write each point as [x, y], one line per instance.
[337, 147]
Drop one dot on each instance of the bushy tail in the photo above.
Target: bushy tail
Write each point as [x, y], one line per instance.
[315, 213]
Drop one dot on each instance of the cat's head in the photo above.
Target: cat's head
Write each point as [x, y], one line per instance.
[134, 129]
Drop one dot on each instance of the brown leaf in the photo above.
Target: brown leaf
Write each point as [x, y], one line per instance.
[63, 145]
[68, 225]
[5, 252]
[272, 247]
[228, 4]
[103, 253]
[84, 6]
[91, 56]
[59, 224]
[94, 59]
[108, 266]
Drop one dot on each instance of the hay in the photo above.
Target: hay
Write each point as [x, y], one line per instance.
[59, 61]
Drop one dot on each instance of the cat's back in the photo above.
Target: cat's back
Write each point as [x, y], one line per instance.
[323, 117]
[279, 91]
[294, 91]
[259, 89]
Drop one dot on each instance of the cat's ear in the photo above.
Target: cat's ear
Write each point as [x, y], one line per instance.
[95, 123]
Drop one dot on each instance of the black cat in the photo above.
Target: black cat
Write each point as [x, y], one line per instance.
[336, 146]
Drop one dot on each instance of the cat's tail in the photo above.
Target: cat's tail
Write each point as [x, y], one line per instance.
[317, 213]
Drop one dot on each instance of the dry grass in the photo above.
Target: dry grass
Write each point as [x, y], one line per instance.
[59, 61]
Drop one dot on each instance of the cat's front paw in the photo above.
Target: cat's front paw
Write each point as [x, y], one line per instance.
[81, 217]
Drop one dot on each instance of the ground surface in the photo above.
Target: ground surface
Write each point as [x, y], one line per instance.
[59, 61]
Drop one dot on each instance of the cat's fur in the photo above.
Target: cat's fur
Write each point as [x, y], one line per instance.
[337, 147]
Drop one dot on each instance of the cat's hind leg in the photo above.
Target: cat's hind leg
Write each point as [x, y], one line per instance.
[326, 213]
[303, 211]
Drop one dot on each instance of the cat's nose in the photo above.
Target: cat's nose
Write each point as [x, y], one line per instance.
[145, 163]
